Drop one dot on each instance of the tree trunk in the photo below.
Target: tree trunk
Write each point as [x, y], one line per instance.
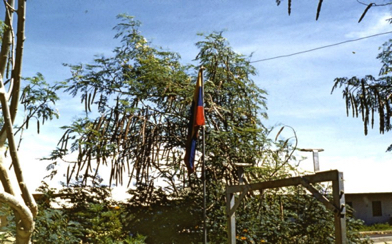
[25, 225]
[27, 209]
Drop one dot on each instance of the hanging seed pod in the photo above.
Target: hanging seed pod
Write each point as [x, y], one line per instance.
[372, 118]
[362, 108]
[382, 118]
[388, 116]
[364, 12]
[94, 93]
[347, 100]
[356, 107]
[85, 102]
[353, 105]
[319, 9]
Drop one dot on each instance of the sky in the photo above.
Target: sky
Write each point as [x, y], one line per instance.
[299, 86]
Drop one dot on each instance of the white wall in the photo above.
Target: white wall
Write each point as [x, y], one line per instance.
[362, 204]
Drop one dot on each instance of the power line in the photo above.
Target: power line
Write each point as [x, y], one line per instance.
[322, 47]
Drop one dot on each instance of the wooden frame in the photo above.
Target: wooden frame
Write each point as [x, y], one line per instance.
[337, 205]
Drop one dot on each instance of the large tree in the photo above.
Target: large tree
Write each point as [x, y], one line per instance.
[137, 104]
[136, 114]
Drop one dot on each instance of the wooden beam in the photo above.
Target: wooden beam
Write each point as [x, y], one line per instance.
[318, 196]
[318, 177]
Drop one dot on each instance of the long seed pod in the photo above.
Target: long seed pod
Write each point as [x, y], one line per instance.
[372, 118]
[388, 116]
[364, 12]
[362, 108]
[353, 105]
[94, 93]
[89, 102]
[382, 119]
[85, 103]
[347, 100]
[68, 175]
[319, 9]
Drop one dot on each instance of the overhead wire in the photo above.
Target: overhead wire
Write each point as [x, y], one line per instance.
[322, 47]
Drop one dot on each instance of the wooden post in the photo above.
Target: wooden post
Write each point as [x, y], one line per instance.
[340, 216]
[240, 170]
[230, 202]
[316, 163]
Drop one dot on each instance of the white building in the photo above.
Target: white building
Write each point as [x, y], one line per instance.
[371, 207]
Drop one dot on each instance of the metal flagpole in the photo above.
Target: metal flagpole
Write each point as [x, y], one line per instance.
[204, 170]
[204, 192]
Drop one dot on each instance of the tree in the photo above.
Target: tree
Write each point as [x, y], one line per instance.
[136, 106]
[142, 96]
[11, 68]
[370, 96]
[36, 97]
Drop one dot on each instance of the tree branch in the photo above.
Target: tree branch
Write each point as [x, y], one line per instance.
[25, 226]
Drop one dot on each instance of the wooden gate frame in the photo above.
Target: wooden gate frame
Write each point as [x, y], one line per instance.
[337, 205]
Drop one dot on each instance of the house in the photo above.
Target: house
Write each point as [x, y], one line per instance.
[371, 207]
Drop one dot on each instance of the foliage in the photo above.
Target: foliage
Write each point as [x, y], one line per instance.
[54, 226]
[165, 220]
[370, 96]
[86, 217]
[141, 95]
[93, 210]
[38, 99]
[376, 227]
[136, 105]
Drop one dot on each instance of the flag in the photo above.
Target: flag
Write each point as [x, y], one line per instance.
[195, 122]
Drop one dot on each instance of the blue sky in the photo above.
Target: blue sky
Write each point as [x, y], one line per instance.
[65, 31]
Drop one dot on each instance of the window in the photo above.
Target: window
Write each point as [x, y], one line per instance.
[376, 207]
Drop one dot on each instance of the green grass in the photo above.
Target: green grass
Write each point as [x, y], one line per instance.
[376, 227]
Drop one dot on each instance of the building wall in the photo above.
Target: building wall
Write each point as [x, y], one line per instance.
[371, 207]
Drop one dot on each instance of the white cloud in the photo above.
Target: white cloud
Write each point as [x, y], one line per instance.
[376, 24]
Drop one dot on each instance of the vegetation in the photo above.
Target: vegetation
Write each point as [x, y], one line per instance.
[37, 106]
[76, 215]
[87, 215]
[370, 96]
[136, 106]
[376, 227]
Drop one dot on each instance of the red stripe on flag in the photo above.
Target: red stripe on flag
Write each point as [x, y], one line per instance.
[199, 118]
[196, 121]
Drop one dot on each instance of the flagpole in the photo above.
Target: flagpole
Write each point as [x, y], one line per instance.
[204, 192]
[204, 170]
